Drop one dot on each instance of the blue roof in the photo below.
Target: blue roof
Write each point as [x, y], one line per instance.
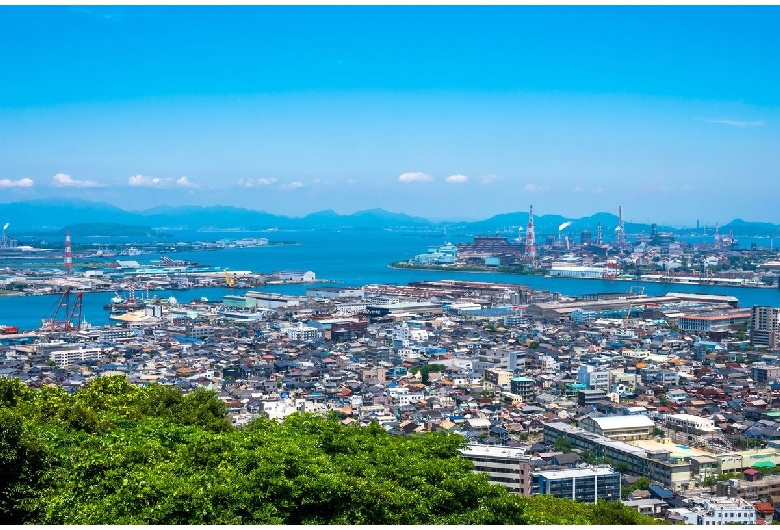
[661, 493]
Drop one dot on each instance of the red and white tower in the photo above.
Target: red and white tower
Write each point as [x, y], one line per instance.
[68, 255]
[530, 240]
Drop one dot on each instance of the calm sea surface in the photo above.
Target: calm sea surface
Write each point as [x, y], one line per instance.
[348, 257]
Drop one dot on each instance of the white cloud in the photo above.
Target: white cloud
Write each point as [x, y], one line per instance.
[143, 180]
[157, 182]
[184, 182]
[577, 189]
[687, 187]
[738, 123]
[457, 179]
[533, 188]
[489, 179]
[351, 181]
[599, 190]
[292, 186]
[21, 183]
[61, 180]
[251, 183]
[414, 177]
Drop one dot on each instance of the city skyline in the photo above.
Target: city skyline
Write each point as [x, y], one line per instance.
[439, 112]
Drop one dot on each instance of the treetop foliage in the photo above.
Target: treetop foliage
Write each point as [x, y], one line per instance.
[114, 453]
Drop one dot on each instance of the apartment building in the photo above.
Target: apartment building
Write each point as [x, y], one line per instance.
[504, 466]
[63, 358]
[764, 326]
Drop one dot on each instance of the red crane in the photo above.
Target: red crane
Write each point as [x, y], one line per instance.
[71, 312]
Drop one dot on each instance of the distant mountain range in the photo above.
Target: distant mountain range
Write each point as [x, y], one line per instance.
[55, 215]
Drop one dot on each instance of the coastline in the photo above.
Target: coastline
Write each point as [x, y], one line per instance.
[400, 265]
[511, 270]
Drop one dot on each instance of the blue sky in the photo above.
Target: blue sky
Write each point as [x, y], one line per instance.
[443, 112]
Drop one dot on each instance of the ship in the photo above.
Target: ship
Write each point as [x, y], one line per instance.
[120, 305]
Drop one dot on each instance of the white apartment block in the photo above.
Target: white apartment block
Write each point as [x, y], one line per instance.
[63, 358]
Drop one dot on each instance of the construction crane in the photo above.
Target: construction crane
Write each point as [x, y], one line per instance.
[231, 282]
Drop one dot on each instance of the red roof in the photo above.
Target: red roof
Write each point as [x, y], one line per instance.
[751, 471]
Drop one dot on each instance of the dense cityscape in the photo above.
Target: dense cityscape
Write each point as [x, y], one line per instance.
[664, 403]
[372, 264]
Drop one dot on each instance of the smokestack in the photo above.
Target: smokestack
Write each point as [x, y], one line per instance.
[68, 255]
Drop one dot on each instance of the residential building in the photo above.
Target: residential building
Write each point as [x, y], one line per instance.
[63, 358]
[497, 377]
[724, 510]
[593, 378]
[524, 387]
[763, 373]
[764, 326]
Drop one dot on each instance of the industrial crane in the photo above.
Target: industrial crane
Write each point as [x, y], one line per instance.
[71, 312]
[231, 282]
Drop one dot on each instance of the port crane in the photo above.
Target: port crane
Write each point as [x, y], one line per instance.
[71, 313]
[231, 282]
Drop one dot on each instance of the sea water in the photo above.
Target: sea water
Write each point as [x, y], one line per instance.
[348, 258]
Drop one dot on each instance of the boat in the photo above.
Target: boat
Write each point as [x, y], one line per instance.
[120, 305]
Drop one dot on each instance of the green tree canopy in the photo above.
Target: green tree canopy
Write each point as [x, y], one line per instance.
[114, 453]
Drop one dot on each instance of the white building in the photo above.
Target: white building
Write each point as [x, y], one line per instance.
[723, 510]
[577, 272]
[302, 333]
[593, 378]
[504, 466]
[690, 423]
[402, 396]
[404, 335]
[296, 276]
[63, 358]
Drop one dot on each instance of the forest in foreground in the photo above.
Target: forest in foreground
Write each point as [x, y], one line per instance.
[115, 453]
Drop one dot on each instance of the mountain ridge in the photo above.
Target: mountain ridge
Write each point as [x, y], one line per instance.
[53, 214]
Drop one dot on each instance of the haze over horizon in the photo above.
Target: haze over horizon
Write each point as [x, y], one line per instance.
[437, 112]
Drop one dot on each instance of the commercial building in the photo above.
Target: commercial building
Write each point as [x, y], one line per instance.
[421, 309]
[295, 276]
[232, 301]
[712, 322]
[272, 300]
[578, 272]
[335, 293]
